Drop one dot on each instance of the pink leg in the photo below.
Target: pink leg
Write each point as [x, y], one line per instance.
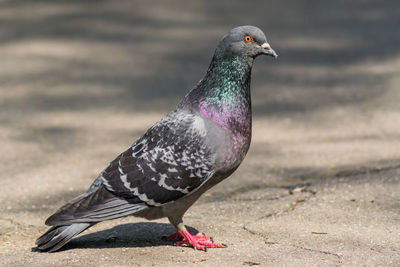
[198, 241]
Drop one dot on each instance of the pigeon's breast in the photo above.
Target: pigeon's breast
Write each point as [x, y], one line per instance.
[229, 147]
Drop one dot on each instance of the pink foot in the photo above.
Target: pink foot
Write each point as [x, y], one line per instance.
[198, 236]
[198, 241]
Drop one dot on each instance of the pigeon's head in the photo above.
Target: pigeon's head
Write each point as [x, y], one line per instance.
[247, 41]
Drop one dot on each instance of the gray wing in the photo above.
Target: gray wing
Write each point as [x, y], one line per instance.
[170, 160]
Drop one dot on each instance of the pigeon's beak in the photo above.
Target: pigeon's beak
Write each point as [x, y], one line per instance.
[267, 50]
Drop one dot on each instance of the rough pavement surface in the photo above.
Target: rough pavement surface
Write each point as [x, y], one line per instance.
[81, 80]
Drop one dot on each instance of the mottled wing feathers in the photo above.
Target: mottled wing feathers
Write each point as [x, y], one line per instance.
[169, 161]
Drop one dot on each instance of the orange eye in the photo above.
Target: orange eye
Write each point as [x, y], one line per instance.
[248, 39]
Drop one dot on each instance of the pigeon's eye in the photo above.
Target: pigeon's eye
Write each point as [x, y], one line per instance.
[248, 39]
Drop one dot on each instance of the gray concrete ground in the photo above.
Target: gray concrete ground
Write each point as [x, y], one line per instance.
[80, 80]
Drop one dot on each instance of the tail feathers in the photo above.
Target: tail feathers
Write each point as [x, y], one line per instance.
[57, 236]
[83, 212]
[99, 206]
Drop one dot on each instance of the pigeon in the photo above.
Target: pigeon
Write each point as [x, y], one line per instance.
[193, 148]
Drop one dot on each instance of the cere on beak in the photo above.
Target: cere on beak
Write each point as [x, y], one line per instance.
[267, 50]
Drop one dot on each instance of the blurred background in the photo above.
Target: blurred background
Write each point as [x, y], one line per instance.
[78, 74]
[81, 80]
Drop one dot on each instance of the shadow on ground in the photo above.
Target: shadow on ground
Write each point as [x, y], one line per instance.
[144, 234]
